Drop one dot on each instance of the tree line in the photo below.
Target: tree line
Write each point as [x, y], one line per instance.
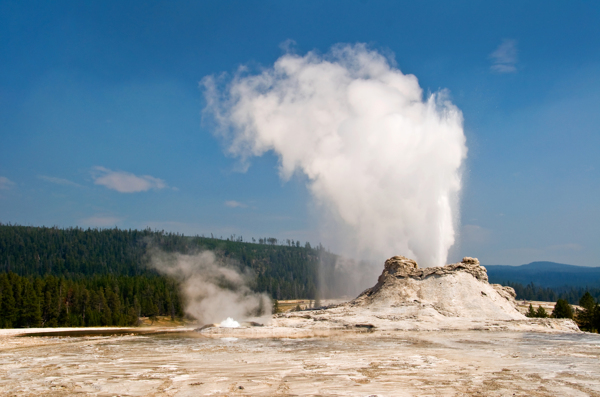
[536, 293]
[76, 277]
[50, 301]
[587, 316]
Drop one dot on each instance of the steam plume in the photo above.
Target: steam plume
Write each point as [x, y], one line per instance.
[213, 290]
[383, 163]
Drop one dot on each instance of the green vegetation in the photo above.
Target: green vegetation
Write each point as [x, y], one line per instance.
[50, 301]
[536, 293]
[283, 271]
[539, 313]
[546, 274]
[562, 309]
[530, 311]
[588, 317]
[275, 309]
[76, 277]
[73, 277]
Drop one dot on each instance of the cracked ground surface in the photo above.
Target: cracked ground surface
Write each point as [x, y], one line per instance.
[402, 363]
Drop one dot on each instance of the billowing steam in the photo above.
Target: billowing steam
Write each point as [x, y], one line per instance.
[384, 163]
[213, 290]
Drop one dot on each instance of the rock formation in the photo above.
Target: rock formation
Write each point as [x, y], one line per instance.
[452, 297]
[406, 297]
[456, 290]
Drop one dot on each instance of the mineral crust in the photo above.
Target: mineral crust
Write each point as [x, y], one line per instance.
[406, 297]
[452, 297]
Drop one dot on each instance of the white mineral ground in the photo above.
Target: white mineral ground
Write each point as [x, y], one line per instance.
[436, 331]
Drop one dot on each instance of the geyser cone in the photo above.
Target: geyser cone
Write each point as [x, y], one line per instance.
[456, 290]
[406, 297]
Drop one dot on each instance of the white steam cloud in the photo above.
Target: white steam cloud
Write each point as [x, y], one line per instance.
[212, 289]
[383, 162]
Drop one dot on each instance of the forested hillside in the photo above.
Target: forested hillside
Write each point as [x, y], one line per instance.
[76, 277]
[51, 301]
[546, 274]
[283, 271]
[538, 293]
[53, 276]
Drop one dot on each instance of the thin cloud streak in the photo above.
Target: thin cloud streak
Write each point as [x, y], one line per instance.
[235, 204]
[504, 58]
[5, 183]
[58, 181]
[126, 182]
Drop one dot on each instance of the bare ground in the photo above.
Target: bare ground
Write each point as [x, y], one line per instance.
[391, 363]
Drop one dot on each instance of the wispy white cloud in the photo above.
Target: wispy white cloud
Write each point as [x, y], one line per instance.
[58, 181]
[100, 221]
[504, 58]
[126, 182]
[6, 183]
[235, 204]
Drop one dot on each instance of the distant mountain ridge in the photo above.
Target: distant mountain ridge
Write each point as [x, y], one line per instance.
[546, 274]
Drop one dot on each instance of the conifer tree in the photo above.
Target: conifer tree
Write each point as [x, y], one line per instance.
[562, 309]
[596, 319]
[31, 312]
[8, 311]
[276, 308]
[585, 317]
[541, 312]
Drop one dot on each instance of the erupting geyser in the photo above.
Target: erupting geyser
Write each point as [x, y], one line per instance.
[383, 161]
[457, 296]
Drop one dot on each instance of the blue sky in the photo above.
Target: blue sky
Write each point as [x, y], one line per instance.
[100, 98]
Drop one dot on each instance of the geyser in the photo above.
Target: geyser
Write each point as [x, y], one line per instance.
[383, 161]
[229, 323]
[214, 290]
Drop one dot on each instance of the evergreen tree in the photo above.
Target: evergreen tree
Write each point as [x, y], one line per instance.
[50, 311]
[596, 319]
[585, 317]
[530, 312]
[541, 312]
[276, 308]
[587, 301]
[31, 313]
[562, 309]
[8, 310]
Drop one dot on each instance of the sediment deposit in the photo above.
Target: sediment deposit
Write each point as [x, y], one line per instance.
[401, 363]
[452, 297]
[435, 331]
